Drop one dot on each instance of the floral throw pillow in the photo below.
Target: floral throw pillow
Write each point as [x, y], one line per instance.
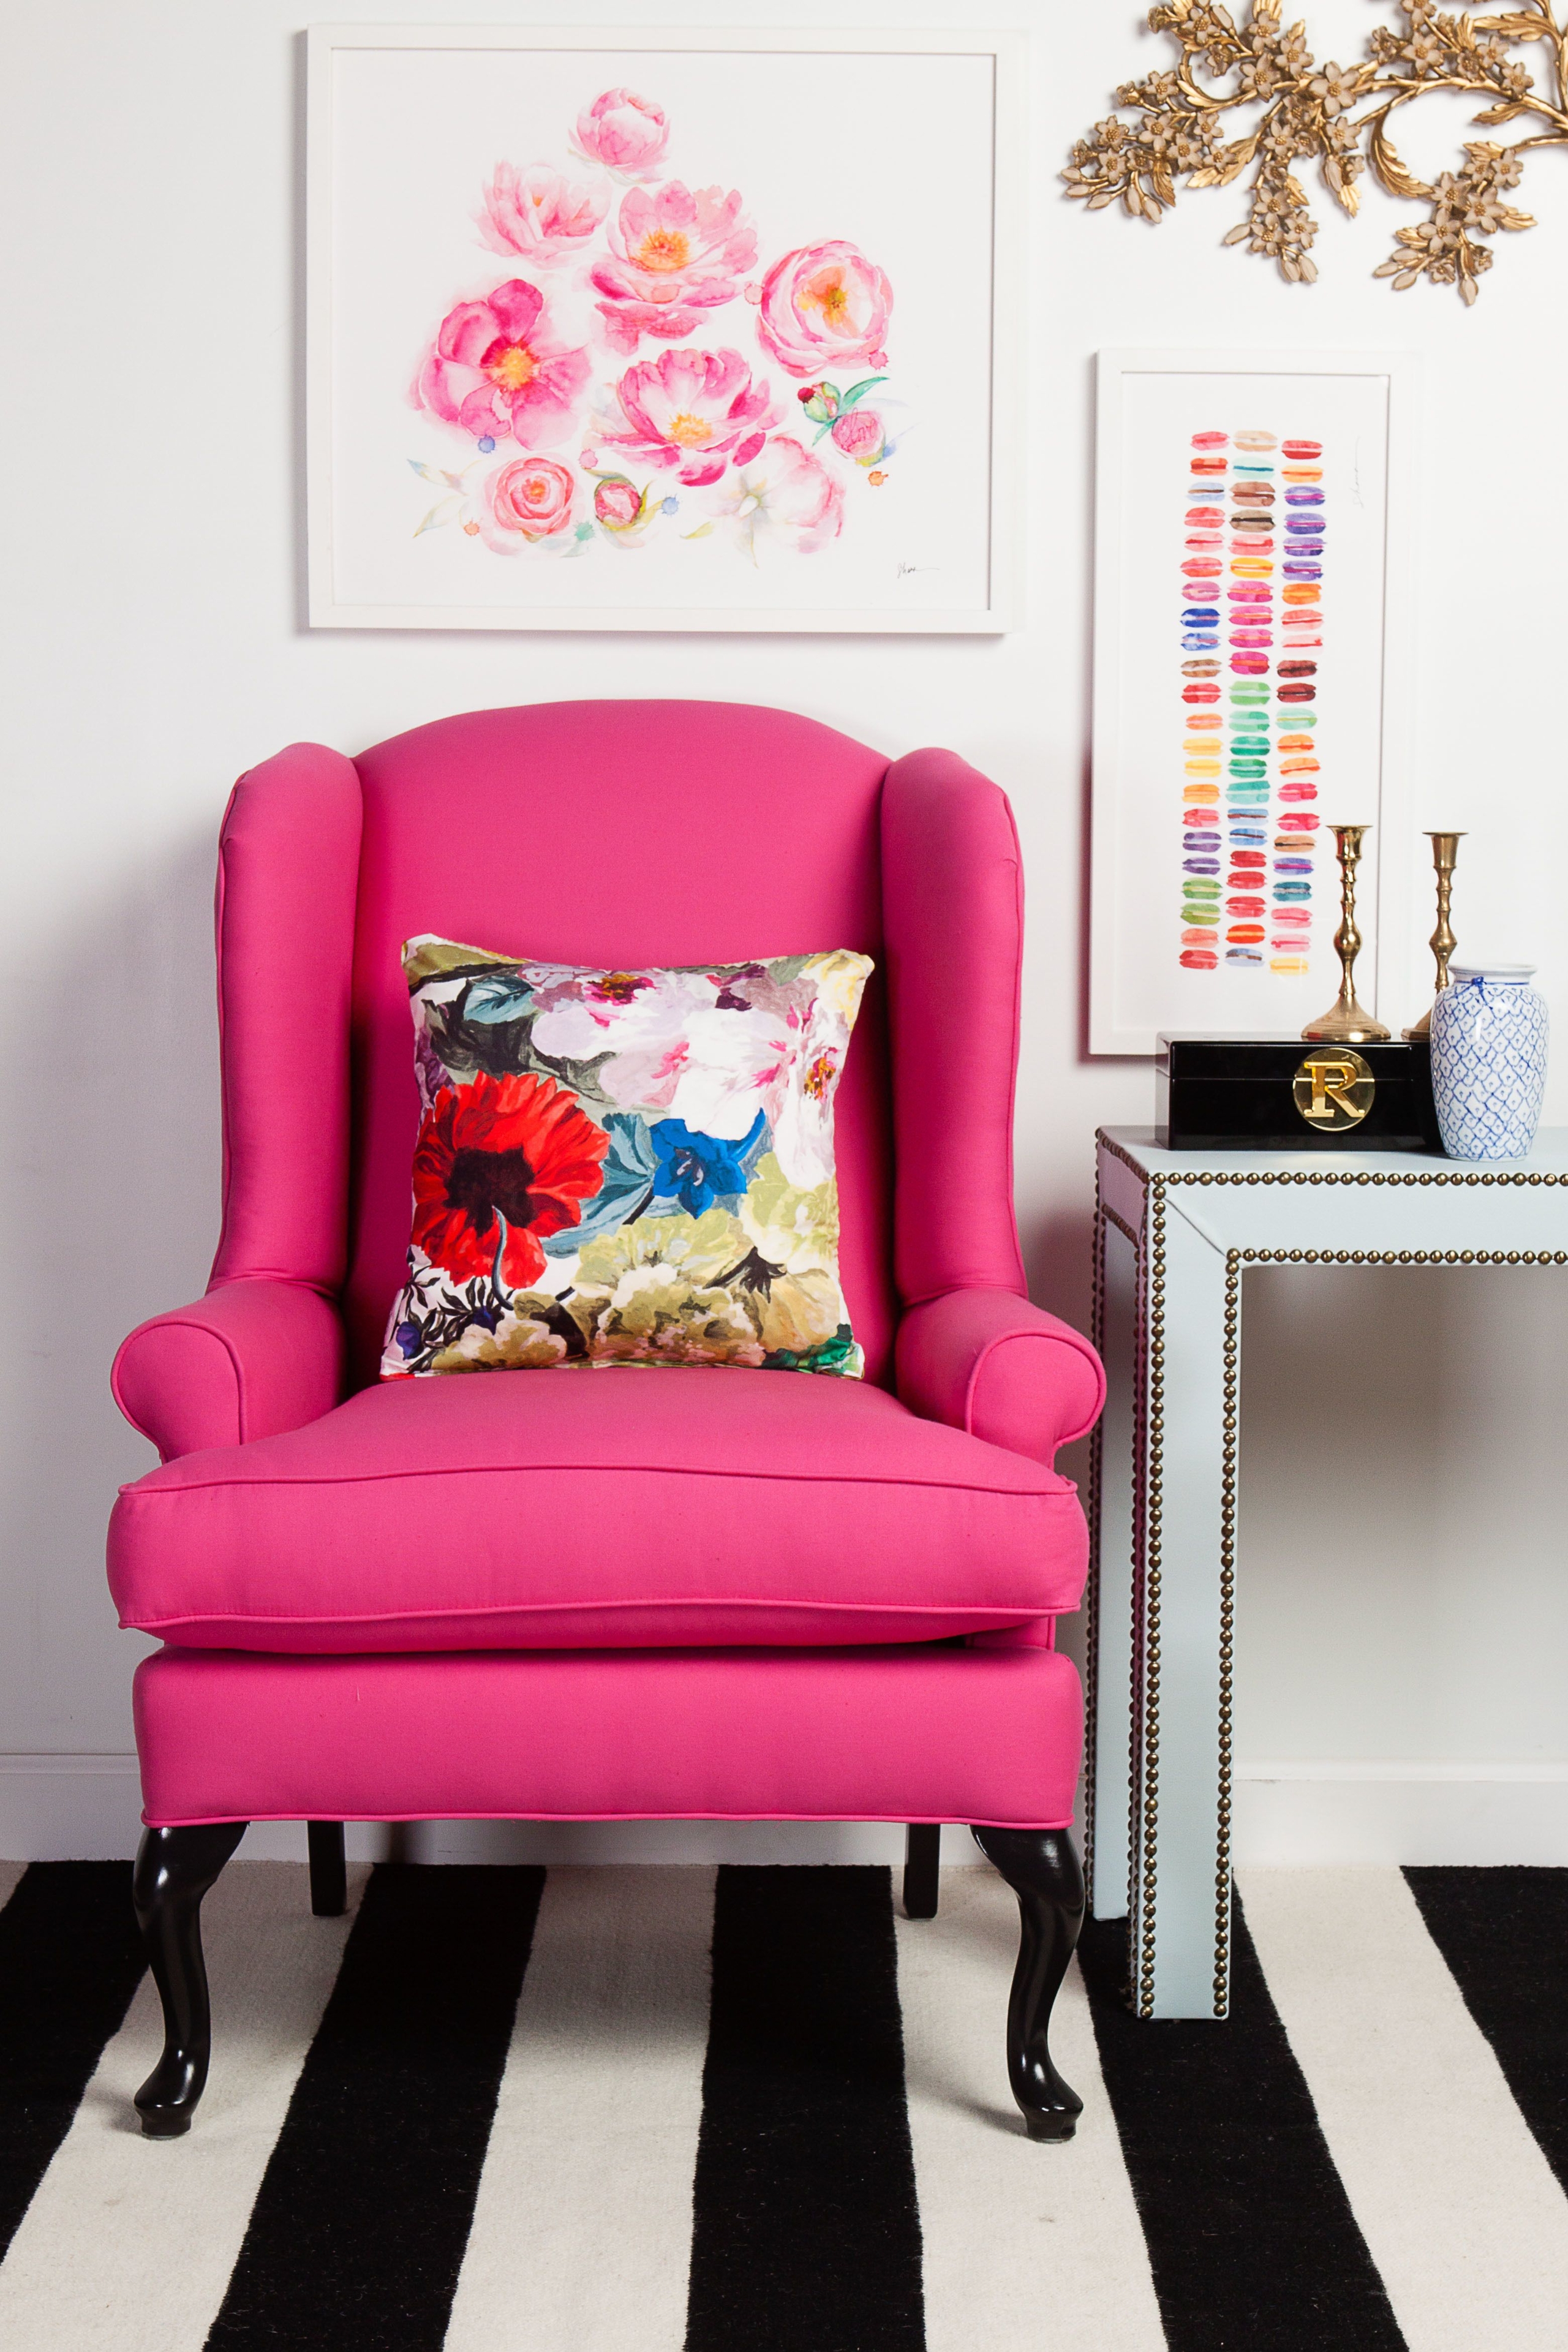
[625, 1167]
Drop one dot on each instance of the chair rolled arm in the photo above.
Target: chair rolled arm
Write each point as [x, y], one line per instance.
[1002, 1368]
[250, 1359]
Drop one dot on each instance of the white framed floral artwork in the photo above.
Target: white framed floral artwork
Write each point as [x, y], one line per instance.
[1252, 687]
[627, 330]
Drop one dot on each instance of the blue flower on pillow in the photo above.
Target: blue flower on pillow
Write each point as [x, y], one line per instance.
[700, 1170]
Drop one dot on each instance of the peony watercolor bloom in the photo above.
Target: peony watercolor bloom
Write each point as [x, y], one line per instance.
[498, 1165]
[625, 134]
[861, 434]
[824, 306]
[539, 214]
[618, 503]
[700, 411]
[788, 495]
[674, 253]
[528, 499]
[494, 370]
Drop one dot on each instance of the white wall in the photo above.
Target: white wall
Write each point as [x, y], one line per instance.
[1401, 1670]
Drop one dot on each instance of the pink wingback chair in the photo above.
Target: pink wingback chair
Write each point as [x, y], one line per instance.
[554, 1595]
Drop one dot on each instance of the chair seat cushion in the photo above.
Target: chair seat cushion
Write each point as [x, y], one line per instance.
[617, 1509]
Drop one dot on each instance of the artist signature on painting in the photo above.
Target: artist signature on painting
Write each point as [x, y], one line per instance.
[904, 570]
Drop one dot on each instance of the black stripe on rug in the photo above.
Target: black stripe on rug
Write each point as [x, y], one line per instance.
[1251, 2238]
[1504, 1935]
[806, 2234]
[359, 2229]
[70, 1960]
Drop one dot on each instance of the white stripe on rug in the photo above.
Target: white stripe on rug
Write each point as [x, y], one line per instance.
[128, 2244]
[598, 2116]
[1457, 2203]
[1027, 2248]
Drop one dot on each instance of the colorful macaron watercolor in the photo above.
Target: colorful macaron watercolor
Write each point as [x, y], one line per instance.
[1248, 769]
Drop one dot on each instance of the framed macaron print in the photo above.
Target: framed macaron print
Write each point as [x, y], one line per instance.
[663, 329]
[1250, 686]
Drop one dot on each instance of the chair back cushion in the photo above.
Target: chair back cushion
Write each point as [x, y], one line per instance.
[624, 835]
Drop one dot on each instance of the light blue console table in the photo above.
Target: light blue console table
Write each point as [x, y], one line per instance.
[1175, 1235]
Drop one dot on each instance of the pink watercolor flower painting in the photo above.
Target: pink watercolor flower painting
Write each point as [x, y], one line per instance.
[697, 428]
[860, 434]
[700, 411]
[824, 306]
[494, 370]
[539, 214]
[625, 134]
[674, 252]
[527, 500]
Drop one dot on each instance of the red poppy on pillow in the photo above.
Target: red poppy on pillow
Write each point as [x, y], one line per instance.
[500, 1163]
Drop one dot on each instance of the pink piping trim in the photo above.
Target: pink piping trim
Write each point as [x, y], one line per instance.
[1061, 1489]
[1015, 1611]
[193, 1820]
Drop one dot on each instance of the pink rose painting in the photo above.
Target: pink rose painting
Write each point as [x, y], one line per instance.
[494, 370]
[681, 446]
[673, 254]
[625, 134]
[539, 214]
[698, 410]
[826, 306]
[525, 502]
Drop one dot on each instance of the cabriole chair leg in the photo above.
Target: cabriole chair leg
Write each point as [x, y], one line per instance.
[174, 1870]
[329, 1870]
[1042, 1869]
[923, 1865]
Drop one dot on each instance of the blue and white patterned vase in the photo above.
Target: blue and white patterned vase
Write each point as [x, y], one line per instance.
[1488, 1061]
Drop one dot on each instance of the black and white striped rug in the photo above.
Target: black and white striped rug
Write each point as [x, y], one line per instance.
[754, 2110]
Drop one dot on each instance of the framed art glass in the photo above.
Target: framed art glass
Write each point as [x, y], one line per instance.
[1249, 686]
[662, 330]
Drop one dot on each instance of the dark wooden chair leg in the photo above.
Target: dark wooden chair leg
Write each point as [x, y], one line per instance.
[922, 1868]
[174, 1870]
[328, 1871]
[1042, 1869]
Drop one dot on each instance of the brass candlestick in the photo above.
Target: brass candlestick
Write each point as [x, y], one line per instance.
[1444, 857]
[1346, 1022]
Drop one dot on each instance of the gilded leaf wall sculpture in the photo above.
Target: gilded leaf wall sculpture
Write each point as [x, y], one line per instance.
[1338, 117]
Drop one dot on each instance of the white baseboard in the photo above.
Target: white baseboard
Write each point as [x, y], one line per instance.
[1318, 1811]
[1323, 1810]
[88, 1809]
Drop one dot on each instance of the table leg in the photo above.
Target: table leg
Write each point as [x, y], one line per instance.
[1110, 1732]
[1180, 1753]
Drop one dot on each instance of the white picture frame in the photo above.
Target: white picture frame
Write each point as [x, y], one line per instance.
[397, 113]
[1145, 755]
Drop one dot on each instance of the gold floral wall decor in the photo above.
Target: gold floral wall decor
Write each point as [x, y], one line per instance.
[1338, 116]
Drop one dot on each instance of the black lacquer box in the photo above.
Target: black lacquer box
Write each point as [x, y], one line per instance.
[1275, 1094]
